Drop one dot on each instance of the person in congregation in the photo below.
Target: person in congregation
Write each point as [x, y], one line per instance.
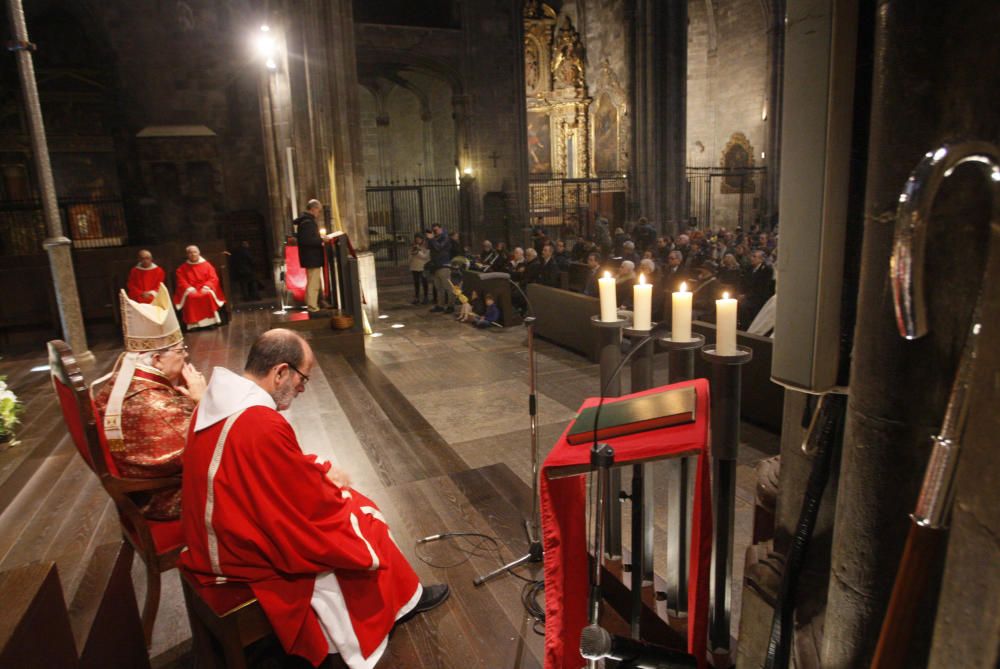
[198, 292]
[316, 552]
[144, 409]
[593, 267]
[145, 278]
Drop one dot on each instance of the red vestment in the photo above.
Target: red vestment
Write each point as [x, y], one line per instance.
[198, 293]
[257, 510]
[143, 282]
[155, 420]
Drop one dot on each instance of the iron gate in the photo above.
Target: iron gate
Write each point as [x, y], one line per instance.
[575, 204]
[725, 197]
[400, 209]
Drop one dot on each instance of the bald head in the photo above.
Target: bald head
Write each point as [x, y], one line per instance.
[280, 362]
[145, 258]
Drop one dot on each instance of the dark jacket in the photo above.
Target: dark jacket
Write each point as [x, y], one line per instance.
[671, 280]
[440, 249]
[310, 243]
[548, 275]
[757, 286]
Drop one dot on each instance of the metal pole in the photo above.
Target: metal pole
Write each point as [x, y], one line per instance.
[57, 245]
[725, 429]
[680, 488]
[533, 522]
[642, 494]
[610, 356]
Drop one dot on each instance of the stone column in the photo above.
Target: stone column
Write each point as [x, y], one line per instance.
[659, 31]
[936, 77]
[57, 245]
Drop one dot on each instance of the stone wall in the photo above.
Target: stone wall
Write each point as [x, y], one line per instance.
[727, 89]
[181, 64]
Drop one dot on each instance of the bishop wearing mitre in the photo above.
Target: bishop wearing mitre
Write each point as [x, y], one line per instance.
[198, 293]
[145, 278]
[144, 406]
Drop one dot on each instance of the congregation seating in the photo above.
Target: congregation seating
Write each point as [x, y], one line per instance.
[158, 543]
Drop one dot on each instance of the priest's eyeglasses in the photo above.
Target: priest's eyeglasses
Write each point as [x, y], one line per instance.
[305, 379]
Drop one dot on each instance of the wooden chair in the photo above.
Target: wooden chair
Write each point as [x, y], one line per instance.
[224, 617]
[158, 543]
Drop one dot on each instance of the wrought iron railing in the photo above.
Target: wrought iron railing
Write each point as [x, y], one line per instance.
[90, 223]
[574, 204]
[725, 197]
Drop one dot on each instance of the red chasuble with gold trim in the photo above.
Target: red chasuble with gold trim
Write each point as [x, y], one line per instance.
[198, 293]
[143, 282]
[154, 423]
[257, 510]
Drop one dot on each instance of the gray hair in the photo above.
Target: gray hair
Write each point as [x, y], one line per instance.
[314, 204]
[648, 265]
[627, 266]
[531, 253]
[629, 245]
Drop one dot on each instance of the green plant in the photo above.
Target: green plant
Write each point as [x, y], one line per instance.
[10, 409]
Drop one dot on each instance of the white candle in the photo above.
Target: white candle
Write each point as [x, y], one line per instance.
[642, 301]
[609, 301]
[680, 324]
[725, 326]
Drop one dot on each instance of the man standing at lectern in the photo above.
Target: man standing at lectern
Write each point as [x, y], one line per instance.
[198, 294]
[310, 244]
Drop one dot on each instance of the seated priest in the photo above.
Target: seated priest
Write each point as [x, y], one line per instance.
[317, 553]
[146, 405]
[145, 278]
[198, 293]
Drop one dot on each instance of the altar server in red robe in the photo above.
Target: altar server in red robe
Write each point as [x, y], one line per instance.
[145, 407]
[317, 553]
[198, 293]
[145, 278]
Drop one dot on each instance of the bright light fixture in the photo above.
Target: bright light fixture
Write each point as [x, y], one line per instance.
[467, 171]
[40, 368]
[398, 325]
[383, 316]
[376, 334]
[266, 47]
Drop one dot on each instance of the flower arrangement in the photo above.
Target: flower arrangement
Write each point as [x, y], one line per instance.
[10, 410]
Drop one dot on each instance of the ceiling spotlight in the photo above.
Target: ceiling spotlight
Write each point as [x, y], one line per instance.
[266, 47]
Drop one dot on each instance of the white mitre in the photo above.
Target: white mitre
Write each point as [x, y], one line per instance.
[147, 327]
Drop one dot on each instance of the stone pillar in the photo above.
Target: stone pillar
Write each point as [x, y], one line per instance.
[57, 245]
[776, 66]
[933, 80]
[659, 31]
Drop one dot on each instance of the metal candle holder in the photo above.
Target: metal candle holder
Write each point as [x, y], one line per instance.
[725, 426]
[610, 334]
[680, 486]
[641, 569]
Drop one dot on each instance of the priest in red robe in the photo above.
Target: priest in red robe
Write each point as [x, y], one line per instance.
[144, 409]
[198, 294]
[317, 553]
[144, 279]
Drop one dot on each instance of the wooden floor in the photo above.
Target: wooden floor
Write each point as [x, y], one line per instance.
[433, 425]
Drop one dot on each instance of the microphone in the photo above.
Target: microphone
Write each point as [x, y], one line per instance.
[596, 643]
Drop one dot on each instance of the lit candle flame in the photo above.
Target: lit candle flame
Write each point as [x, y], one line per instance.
[725, 296]
[684, 286]
[607, 275]
[642, 279]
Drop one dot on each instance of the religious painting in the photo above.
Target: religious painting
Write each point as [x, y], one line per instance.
[737, 159]
[532, 64]
[605, 137]
[539, 143]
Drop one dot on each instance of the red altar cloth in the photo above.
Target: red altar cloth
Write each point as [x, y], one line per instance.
[295, 274]
[564, 532]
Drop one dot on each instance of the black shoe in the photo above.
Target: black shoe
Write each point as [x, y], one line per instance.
[432, 597]
[436, 309]
[449, 310]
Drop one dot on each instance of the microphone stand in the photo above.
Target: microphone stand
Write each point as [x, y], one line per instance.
[535, 551]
